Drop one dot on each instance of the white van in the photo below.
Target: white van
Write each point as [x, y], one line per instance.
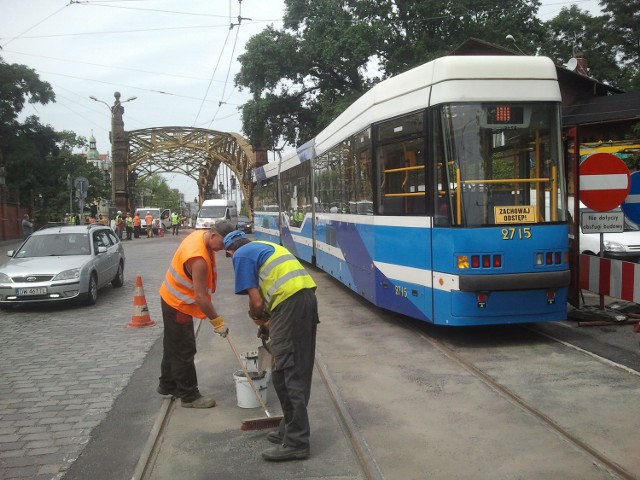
[156, 213]
[215, 210]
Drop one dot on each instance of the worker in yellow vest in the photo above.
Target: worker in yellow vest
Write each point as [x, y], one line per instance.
[175, 223]
[282, 302]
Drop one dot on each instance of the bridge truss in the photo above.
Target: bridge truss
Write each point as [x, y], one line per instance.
[194, 152]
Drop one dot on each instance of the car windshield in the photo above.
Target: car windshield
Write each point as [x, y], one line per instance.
[58, 244]
[212, 212]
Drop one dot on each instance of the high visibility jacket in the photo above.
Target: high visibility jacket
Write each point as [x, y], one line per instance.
[281, 276]
[174, 219]
[177, 288]
[136, 221]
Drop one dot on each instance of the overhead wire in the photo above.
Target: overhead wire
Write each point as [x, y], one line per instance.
[231, 25]
[204, 98]
[35, 25]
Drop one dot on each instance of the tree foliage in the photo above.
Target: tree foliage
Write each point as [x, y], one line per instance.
[155, 192]
[19, 83]
[37, 160]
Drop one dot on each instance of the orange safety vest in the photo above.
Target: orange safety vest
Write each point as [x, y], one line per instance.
[136, 221]
[177, 288]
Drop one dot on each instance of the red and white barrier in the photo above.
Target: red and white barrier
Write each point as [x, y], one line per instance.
[613, 278]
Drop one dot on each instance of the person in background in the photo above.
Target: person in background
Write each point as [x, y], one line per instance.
[119, 224]
[27, 226]
[175, 223]
[137, 224]
[282, 302]
[128, 223]
[186, 293]
[148, 218]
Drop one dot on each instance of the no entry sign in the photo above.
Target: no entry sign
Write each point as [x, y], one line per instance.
[604, 182]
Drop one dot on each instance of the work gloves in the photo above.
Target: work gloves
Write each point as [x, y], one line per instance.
[218, 326]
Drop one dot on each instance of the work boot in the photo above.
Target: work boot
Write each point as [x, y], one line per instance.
[282, 453]
[275, 437]
[203, 401]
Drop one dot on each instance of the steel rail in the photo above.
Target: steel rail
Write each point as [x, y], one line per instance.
[598, 457]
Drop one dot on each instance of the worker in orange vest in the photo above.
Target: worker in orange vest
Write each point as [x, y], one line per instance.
[148, 218]
[136, 225]
[186, 293]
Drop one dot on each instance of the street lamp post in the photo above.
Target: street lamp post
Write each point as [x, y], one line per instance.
[119, 170]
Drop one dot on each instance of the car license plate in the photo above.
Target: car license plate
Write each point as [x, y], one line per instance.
[32, 291]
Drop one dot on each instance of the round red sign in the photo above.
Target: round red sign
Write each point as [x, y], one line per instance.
[604, 182]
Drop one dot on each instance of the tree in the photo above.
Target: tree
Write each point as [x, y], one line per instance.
[574, 30]
[302, 77]
[17, 84]
[622, 23]
[158, 193]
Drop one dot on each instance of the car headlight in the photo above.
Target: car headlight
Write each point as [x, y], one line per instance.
[611, 246]
[4, 278]
[72, 274]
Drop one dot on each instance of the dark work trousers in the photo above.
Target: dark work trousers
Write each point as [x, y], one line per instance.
[293, 328]
[178, 370]
[175, 228]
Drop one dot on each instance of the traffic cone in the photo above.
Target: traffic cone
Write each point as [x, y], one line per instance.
[140, 317]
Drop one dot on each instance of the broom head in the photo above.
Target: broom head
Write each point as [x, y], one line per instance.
[260, 423]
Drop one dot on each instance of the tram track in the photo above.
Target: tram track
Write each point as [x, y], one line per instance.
[458, 350]
[359, 445]
[598, 457]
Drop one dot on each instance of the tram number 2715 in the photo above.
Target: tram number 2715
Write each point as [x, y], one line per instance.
[514, 233]
[401, 291]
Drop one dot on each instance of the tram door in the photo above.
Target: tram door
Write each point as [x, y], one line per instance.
[403, 238]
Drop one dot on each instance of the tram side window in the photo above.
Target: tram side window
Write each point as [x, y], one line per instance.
[362, 203]
[296, 193]
[400, 157]
[265, 198]
[334, 179]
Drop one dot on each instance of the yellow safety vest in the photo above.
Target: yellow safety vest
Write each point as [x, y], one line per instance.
[177, 288]
[281, 276]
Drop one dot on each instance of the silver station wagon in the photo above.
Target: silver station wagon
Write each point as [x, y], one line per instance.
[62, 263]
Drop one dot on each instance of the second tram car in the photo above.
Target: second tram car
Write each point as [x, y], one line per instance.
[439, 194]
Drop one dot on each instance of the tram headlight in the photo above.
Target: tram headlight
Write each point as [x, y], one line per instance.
[463, 261]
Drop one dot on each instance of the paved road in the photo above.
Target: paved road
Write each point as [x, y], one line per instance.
[63, 368]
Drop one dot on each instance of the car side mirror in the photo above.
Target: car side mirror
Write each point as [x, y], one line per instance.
[102, 249]
[10, 253]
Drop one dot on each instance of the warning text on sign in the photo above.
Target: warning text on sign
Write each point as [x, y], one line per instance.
[602, 222]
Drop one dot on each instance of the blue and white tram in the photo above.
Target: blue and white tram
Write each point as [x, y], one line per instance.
[439, 194]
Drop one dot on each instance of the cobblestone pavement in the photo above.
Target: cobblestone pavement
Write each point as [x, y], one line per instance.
[62, 367]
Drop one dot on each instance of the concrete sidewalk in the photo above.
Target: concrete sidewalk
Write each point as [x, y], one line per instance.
[208, 443]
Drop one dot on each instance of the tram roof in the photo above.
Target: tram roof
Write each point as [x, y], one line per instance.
[456, 78]
[446, 79]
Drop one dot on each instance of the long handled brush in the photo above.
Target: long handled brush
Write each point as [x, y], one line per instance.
[270, 421]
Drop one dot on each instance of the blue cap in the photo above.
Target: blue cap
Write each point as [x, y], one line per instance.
[231, 237]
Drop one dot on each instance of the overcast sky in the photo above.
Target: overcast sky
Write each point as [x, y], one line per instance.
[177, 57]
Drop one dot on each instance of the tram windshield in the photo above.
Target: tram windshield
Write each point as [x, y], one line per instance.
[498, 164]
